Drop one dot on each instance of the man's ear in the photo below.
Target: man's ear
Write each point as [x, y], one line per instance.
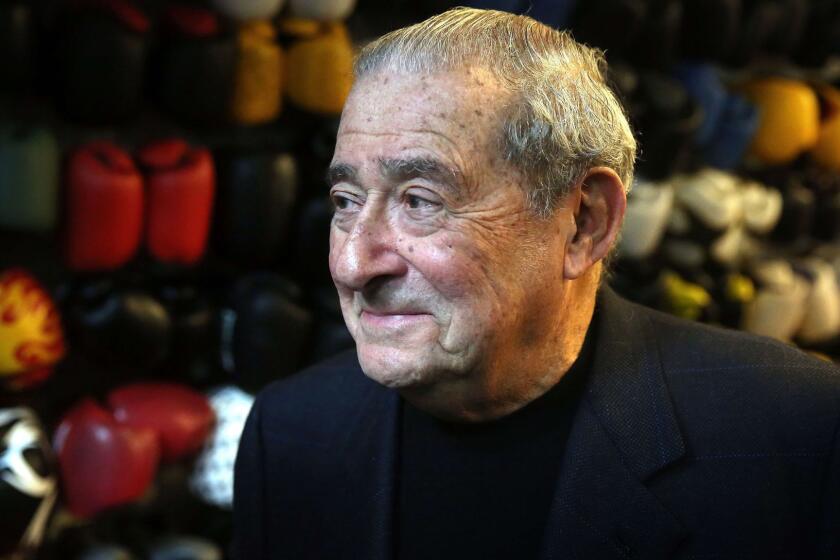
[598, 211]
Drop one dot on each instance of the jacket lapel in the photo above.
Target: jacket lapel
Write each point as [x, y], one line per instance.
[624, 432]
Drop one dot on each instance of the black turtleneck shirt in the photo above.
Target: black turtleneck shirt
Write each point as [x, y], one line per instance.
[484, 490]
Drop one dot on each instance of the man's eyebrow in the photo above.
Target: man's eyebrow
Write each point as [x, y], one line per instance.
[341, 172]
[399, 170]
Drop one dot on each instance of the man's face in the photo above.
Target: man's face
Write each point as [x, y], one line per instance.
[442, 272]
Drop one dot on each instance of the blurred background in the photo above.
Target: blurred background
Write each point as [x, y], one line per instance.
[164, 224]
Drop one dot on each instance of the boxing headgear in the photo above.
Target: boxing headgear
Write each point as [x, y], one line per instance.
[28, 485]
[212, 478]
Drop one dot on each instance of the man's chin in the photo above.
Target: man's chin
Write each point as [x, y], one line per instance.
[393, 367]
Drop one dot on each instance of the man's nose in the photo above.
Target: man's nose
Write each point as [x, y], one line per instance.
[366, 253]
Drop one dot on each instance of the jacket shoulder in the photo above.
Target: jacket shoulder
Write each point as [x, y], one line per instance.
[735, 387]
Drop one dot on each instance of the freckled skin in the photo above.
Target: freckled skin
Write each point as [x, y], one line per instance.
[498, 322]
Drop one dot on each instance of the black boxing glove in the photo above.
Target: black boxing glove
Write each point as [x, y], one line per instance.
[101, 50]
[264, 331]
[667, 120]
[118, 328]
[17, 38]
[194, 338]
[613, 25]
[658, 42]
[709, 28]
[255, 195]
[195, 68]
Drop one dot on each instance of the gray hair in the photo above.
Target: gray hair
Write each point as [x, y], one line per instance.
[564, 119]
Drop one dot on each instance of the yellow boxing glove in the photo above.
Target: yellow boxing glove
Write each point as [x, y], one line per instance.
[259, 75]
[683, 299]
[30, 329]
[788, 122]
[827, 151]
[320, 70]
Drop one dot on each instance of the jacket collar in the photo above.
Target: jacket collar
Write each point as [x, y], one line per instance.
[624, 432]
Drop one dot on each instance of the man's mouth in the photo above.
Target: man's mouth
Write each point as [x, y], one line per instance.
[386, 320]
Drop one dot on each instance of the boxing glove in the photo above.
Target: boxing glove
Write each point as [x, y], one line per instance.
[311, 243]
[331, 335]
[796, 223]
[788, 122]
[17, 43]
[612, 25]
[31, 337]
[320, 70]
[29, 178]
[667, 120]
[120, 329]
[102, 50]
[702, 82]
[196, 66]
[768, 27]
[821, 322]
[712, 200]
[193, 339]
[826, 151]
[733, 292]
[104, 207]
[658, 41]
[28, 485]
[648, 209]
[683, 299]
[212, 477]
[180, 186]
[735, 130]
[729, 121]
[249, 10]
[709, 28]
[779, 305]
[106, 552]
[179, 548]
[264, 331]
[180, 416]
[322, 10]
[259, 75]
[821, 37]
[102, 463]
[257, 192]
[762, 207]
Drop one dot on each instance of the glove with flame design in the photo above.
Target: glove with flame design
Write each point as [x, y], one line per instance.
[31, 338]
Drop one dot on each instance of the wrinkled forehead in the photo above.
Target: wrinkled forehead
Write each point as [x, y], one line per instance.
[470, 99]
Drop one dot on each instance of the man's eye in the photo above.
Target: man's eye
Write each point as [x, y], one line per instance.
[419, 203]
[342, 202]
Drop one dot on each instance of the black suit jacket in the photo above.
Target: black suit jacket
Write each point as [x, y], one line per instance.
[690, 442]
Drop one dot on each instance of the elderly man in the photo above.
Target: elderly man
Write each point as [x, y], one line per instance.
[501, 403]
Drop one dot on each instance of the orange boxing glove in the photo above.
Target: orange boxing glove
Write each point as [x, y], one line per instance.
[259, 75]
[31, 339]
[789, 118]
[319, 71]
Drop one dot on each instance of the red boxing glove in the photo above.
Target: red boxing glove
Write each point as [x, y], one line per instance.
[104, 207]
[180, 416]
[103, 463]
[180, 184]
